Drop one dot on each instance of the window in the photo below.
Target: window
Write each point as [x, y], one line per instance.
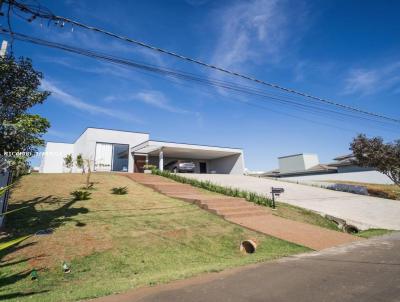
[111, 157]
[120, 158]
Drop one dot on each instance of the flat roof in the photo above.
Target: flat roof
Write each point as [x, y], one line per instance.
[156, 141]
[174, 144]
[53, 142]
[342, 157]
[109, 129]
[167, 142]
[189, 151]
[298, 154]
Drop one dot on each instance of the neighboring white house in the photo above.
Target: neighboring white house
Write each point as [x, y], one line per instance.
[297, 162]
[306, 168]
[125, 151]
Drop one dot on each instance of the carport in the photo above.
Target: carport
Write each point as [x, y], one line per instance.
[208, 159]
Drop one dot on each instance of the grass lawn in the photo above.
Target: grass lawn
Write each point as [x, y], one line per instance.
[115, 242]
[299, 214]
[373, 233]
[283, 210]
[291, 212]
[377, 190]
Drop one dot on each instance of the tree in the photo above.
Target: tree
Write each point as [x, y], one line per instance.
[69, 162]
[19, 165]
[20, 133]
[23, 135]
[89, 163]
[19, 84]
[374, 153]
[80, 163]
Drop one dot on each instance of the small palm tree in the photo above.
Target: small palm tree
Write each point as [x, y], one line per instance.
[80, 163]
[69, 162]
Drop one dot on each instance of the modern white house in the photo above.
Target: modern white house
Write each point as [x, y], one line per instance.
[126, 151]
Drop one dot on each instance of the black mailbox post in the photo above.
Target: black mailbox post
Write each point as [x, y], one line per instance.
[276, 192]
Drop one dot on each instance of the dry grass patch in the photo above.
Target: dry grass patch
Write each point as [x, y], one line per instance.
[377, 190]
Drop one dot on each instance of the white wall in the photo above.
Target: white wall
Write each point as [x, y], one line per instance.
[310, 160]
[94, 135]
[53, 158]
[232, 164]
[86, 145]
[364, 176]
[299, 162]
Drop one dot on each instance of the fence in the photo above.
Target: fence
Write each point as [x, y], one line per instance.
[5, 179]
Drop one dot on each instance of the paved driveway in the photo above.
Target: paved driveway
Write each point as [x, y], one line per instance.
[362, 211]
[366, 271]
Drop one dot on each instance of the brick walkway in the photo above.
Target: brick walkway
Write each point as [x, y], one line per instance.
[246, 214]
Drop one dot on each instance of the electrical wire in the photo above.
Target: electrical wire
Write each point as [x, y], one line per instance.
[186, 76]
[38, 11]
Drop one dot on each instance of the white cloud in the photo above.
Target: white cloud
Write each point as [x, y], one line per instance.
[75, 102]
[251, 31]
[99, 68]
[110, 98]
[369, 81]
[157, 99]
[309, 70]
[361, 81]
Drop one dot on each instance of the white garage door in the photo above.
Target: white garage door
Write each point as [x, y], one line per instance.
[103, 157]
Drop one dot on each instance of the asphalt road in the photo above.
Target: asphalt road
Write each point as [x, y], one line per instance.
[366, 271]
[362, 211]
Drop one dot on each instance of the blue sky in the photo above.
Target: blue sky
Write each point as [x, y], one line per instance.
[347, 51]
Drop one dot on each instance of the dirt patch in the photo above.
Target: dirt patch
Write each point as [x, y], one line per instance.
[49, 251]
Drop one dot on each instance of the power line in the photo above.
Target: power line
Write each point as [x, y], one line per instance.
[38, 11]
[189, 77]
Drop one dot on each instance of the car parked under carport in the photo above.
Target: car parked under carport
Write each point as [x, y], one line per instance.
[180, 166]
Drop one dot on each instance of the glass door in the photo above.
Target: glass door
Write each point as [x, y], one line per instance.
[120, 158]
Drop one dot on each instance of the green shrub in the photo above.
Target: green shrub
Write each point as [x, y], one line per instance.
[207, 185]
[81, 195]
[120, 190]
[149, 167]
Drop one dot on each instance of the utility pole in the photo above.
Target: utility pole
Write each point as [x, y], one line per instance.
[4, 44]
[3, 49]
